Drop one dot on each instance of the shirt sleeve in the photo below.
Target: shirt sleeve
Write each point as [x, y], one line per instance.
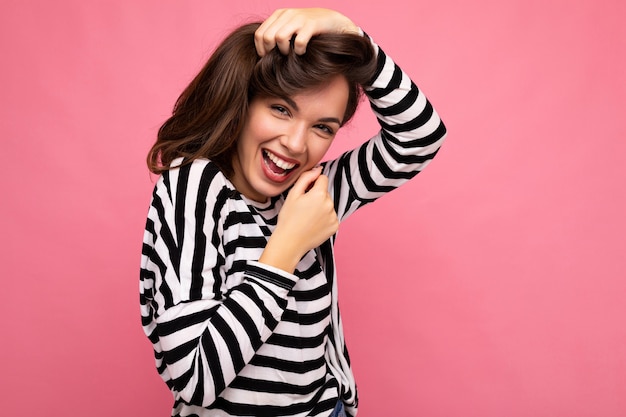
[410, 136]
[203, 332]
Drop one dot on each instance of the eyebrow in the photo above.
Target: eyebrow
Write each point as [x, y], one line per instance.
[323, 119]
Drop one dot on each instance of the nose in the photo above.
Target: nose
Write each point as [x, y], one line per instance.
[295, 139]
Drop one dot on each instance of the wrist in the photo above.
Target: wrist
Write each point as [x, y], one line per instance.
[281, 254]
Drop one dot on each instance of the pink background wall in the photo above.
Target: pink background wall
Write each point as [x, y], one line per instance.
[493, 285]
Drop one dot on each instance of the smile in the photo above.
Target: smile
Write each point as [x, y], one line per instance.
[277, 165]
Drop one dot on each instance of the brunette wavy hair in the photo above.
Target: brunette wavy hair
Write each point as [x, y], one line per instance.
[208, 116]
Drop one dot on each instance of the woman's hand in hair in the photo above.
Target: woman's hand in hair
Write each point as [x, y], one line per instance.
[280, 28]
[306, 220]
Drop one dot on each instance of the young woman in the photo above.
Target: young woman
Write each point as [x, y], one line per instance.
[238, 285]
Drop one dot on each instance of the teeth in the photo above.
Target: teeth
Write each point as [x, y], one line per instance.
[279, 162]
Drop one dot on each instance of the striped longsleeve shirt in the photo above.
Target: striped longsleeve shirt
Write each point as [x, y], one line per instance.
[235, 337]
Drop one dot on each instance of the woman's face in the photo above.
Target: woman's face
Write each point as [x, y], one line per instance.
[284, 137]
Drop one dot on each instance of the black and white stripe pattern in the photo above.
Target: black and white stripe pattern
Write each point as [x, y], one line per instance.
[234, 337]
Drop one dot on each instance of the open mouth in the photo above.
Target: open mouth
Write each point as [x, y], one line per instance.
[277, 165]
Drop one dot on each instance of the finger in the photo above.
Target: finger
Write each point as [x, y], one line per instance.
[264, 35]
[306, 180]
[284, 29]
[321, 183]
[283, 41]
[295, 30]
[287, 28]
[263, 42]
[274, 37]
[302, 39]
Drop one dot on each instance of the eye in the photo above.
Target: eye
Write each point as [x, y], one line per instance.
[325, 129]
[280, 109]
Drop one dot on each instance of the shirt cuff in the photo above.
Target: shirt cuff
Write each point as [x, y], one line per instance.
[271, 275]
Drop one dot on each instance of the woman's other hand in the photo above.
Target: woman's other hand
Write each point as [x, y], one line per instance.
[306, 220]
[284, 24]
